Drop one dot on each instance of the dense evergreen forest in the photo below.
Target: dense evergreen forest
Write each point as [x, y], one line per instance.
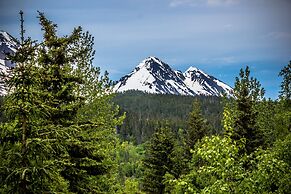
[59, 124]
[145, 112]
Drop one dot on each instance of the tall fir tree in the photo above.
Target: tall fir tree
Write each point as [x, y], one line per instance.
[59, 87]
[80, 103]
[247, 94]
[58, 84]
[283, 108]
[92, 153]
[158, 160]
[28, 148]
[285, 92]
[197, 126]
[196, 129]
[61, 135]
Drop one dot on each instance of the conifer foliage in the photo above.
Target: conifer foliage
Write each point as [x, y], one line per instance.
[158, 160]
[197, 125]
[286, 83]
[247, 93]
[58, 84]
[60, 132]
[29, 162]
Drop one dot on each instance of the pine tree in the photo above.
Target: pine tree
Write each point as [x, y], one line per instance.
[196, 129]
[93, 150]
[285, 92]
[28, 149]
[158, 160]
[247, 94]
[58, 84]
[283, 109]
[61, 132]
[79, 101]
[197, 126]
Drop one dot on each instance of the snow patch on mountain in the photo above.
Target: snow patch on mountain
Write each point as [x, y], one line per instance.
[204, 84]
[151, 75]
[7, 42]
[8, 45]
[154, 76]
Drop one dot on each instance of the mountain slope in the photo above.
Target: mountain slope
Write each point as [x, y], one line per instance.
[8, 44]
[154, 76]
[204, 84]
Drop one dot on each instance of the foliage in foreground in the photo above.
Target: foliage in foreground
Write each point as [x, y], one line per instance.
[60, 133]
[247, 158]
[219, 168]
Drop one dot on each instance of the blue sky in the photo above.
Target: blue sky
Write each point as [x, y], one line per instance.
[217, 36]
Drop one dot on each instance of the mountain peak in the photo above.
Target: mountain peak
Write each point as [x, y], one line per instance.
[196, 70]
[149, 61]
[153, 65]
[191, 68]
[204, 84]
[152, 58]
[154, 76]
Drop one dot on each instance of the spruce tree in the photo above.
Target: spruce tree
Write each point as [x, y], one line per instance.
[58, 83]
[79, 101]
[197, 126]
[285, 92]
[92, 153]
[61, 130]
[283, 106]
[158, 160]
[29, 163]
[247, 94]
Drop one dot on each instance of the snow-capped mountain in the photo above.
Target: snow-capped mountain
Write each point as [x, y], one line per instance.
[8, 44]
[204, 84]
[154, 76]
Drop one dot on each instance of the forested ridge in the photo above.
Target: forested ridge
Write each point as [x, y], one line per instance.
[62, 130]
[145, 112]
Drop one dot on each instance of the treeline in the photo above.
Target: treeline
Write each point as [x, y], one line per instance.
[58, 130]
[146, 112]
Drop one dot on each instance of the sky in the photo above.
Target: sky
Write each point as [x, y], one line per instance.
[218, 36]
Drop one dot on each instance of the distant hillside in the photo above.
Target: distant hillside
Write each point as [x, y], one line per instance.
[146, 112]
